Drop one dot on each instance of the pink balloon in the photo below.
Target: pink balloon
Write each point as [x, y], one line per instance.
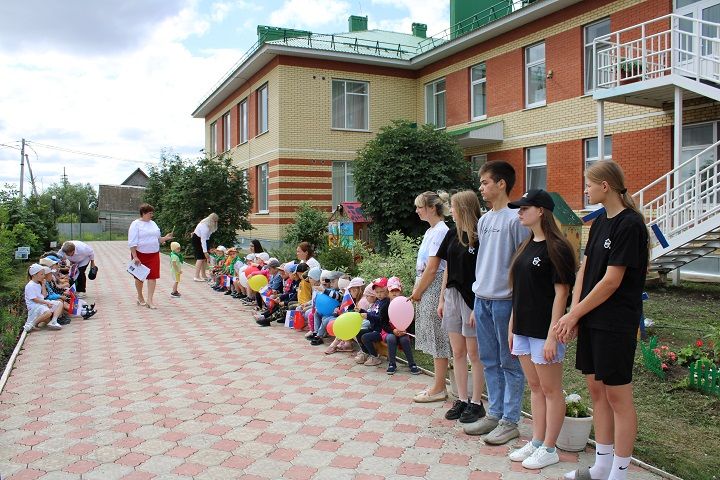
[401, 313]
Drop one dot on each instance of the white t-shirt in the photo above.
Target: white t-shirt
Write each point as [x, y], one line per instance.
[32, 290]
[144, 236]
[312, 263]
[202, 231]
[83, 254]
[429, 247]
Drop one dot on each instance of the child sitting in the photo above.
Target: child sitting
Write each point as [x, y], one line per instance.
[395, 336]
[353, 295]
[176, 261]
[368, 298]
[288, 295]
[329, 287]
[373, 328]
[39, 309]
[308, 308]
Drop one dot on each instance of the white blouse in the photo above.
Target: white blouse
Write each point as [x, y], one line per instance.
[144, 236]
[203, 232]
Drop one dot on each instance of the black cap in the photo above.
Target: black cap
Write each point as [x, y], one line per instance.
[534, 198]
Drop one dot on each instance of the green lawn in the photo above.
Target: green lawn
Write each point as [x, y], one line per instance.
[679, 429]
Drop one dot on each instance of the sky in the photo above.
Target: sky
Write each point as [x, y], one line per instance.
[100, 88]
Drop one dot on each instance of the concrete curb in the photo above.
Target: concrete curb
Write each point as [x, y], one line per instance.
[11, 361]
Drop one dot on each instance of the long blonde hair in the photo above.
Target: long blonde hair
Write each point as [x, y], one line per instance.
[436, 200]
[211, 221]
[610, 172]
[466, 210]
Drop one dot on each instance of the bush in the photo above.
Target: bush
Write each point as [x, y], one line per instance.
[399, 261]
[284, 253]
[338, 258]
[310, 226]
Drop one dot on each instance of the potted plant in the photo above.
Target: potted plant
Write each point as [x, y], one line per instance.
[630, 70]
[575, 430]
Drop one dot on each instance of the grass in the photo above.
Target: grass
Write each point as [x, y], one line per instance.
[95, 237]
[11, 312]
[678, 429]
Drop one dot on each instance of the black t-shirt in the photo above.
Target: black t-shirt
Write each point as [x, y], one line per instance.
[618, 241]
[460, 265]
[534, 279]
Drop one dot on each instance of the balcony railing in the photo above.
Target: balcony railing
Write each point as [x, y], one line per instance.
[671, 44]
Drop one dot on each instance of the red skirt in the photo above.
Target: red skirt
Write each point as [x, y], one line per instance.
[151, 261]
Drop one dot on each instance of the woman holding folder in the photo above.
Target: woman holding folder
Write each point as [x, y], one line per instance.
[144, 240]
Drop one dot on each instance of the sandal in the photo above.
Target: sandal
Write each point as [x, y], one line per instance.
[331, 349]
[345, 348]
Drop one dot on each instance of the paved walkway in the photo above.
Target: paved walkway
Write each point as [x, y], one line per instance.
[196, 390]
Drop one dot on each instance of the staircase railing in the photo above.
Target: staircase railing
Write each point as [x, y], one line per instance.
[690, 195]
[662, 46]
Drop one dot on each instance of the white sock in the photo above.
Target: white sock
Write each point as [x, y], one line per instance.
[603, 463]
[619, 468]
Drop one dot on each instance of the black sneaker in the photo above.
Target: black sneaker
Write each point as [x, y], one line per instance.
[456, 411]
[175, 294]
[64, 320]
[229, 292]
[316, 341]
[263, 323]
[472, 413]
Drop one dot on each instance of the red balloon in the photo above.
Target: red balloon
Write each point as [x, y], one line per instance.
[251, 271]
[330, 329]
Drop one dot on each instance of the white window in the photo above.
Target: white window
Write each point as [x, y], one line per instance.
[536, 161]
[476, 163]
[591, 32]
[243, 124]
[592, 156]
[262, 187]
[535, 75]
[435, 103]
[226, 132]
[213, 139]
[478, 92]
[343, 186]
[350, 105]
[262, 109]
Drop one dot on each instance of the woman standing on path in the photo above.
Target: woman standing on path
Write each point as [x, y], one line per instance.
[459, 250]
[200, 236]
[144, 239]
[605, 311]
[305, 254]
[430, 337]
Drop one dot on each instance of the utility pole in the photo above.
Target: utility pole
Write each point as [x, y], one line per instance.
[32, 178]
[22, 167]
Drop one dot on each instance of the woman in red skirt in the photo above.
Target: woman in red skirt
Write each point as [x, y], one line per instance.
[144, 239]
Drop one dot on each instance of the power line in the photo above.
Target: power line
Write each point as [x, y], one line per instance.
[9, 146]
[88, 154]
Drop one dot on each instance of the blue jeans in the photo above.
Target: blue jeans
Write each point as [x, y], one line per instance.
[320, 323]
[503, 373]
[367, 341]
[392, 343]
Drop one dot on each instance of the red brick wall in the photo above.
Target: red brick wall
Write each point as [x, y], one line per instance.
[505, 83]
[234, 126]
[252, 187]
[565, 171]
[252, 115]
[457, 88]
[564, 56]
[515, 158]
[644, 155]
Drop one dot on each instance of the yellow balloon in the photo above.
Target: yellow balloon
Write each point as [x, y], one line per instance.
[257, 282]
[347, 325]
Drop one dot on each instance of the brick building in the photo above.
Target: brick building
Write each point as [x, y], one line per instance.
[516, 81]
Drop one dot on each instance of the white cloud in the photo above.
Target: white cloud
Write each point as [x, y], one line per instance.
[433, 13]
[309, 13]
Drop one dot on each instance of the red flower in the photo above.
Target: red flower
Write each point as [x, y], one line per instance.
[664, 366]
[699, 343]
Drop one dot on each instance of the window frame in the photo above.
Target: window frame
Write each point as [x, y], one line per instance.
[435, 94]
[226, 123]
[589, 46]
[473, 84]
[586, 159]
[263, 176]
[345, 164]
[213, 139]
[528, 66]
[260, 117]
[345, 111]
[243, 132]
[528, 167]
[482, 157]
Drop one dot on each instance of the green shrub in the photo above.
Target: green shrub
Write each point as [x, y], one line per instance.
[399, 261]
[338, 258]
[310, 226]
[284, 253]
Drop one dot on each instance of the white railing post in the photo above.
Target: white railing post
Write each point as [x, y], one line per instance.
[643, 50]
[698, 45]
[618, 59]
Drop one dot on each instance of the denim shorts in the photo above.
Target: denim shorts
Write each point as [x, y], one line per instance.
[532, 346]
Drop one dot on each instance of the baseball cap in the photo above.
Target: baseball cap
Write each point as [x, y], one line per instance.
[356, 282]
[46, 262]
[264, 256]
[221, 248]
[535, 197]
[302, 267]
[274, 263]
[250, 257]
[315, 273]
[47, 270]
[290, 267]
[369, 290]
[380, 282]
[35, 269]
[394, 283]
[343, 284]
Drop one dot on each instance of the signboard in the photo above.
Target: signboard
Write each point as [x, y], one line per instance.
[21, 256]
[25, 250]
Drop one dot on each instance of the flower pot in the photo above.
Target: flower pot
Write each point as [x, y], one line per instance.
[574, 434]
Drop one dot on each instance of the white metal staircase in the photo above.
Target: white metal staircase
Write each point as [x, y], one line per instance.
[682, 208]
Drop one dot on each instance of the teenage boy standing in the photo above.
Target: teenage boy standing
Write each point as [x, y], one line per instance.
[499, 235]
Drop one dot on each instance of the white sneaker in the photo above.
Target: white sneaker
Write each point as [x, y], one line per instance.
[28, 327]
[522, 453]
[361, 357]
[541, 458]
[54, 325]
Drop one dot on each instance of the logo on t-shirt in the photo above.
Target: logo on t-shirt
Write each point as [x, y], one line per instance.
[471, 250]
[536, 261]
[607, 243]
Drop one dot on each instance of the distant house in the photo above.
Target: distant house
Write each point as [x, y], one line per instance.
[118, 204]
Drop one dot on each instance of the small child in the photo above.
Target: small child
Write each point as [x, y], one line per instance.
[393, 337]
[39, 309]
[176, 261]
[368, 298]
[329, 286]
[370, 332]
[350, 301]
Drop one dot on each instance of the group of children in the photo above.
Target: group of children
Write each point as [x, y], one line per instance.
[50, 295]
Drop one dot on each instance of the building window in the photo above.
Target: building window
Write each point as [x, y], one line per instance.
[536, 170]
[350, 105]
[213, 139]
[535, 75]
[226, 132]
[476, 163]
[243, 124]
[262, 109]
[477, 91]
[435, 103]
[262, 187]
[591, 32]
[343, 186]
[592, 156]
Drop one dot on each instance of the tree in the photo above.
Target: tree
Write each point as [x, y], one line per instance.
[401, 162]
[184, 192]
[68, 197]
[310, 226]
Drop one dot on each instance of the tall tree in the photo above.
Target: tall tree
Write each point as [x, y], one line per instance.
[68, 196]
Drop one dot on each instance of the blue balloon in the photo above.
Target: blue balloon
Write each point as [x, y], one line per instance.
[325, 305]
